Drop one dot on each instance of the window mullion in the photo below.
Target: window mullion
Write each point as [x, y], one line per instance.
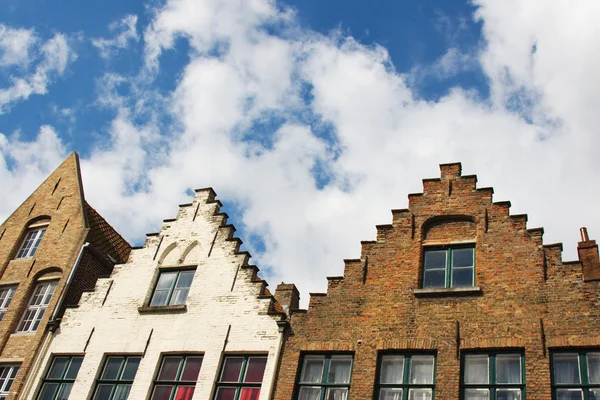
[172, 288]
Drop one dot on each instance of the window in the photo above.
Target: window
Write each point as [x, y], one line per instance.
[404, 377]
[172, 288]
[31, 241]
[576, 375]
[7, 377]
[449, 267]
[325, 376]
[60, 377]
[499, 376]
[37, 306]
[6, 295]
[116, 378]
[177, 378]
[241, 378]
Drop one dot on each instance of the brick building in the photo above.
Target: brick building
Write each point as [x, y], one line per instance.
[52, 248]
[186, 317]
[456, 299]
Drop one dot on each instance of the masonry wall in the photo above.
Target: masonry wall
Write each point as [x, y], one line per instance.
[226, 296]
[524, 298]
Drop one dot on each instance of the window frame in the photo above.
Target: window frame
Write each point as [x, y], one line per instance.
[406, 386]
[492, 386]
[5, 301]
[323, 385]
[449, 249]
[38, 231]
[172, 288]
[115, 383]
[62, 381]
[39, 310]
[240, 384]
[177, 383]
[8, 380]
[582, 363]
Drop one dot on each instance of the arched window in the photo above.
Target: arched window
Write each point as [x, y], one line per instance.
[38, 303]
[33, 237]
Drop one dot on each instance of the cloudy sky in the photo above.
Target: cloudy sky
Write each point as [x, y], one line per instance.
[311, 119]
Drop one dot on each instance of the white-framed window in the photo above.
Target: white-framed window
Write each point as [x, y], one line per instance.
[8, 372]
[172, 287]
[31, 241]
[6, 295]
[37, 306]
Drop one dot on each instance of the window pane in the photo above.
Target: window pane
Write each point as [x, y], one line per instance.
[64, 391]
[336, 394]
[435, 259]
[392, 369]
[185, 279]
[312, 370]
[434, 279]
[569, 394]
[112, 367]
[160, 298]
[462, 258]
[58, 367]
[48, 390]
[178, 297]
[168, 371]
[508, 394]
[74, 368]
[232, 369]
[566, 368]
[191, 369]
[166, 280]
[340, 369]
[421, 370]
[508, 368]
[122, 392]
[420, 394]
[225, 393]
[130, 368]
[477, 394]
[184, 393]
[250, 394]
[390, 394]
[593, 361]
[309, 393]
[162, 393]
[476, 369]
[594, 394]
[462, 277]
[103, 392]
[255, 369]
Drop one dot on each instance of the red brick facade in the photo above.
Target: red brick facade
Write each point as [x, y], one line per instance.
[524, 299]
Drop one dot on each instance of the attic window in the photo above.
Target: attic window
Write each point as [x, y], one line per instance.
[449, 267]
[33, 236]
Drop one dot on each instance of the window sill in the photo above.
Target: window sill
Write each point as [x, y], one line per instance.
[162, 309]
[445, 292]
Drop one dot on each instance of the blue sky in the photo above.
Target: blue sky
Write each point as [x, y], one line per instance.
[311, 119]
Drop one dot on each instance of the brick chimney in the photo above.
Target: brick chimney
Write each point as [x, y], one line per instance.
[288, 296]
[588, 256]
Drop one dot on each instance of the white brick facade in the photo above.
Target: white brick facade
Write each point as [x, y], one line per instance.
[225, 296]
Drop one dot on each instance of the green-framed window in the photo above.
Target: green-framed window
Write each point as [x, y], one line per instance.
[172, 287]
[406, 376]
[116, 378]
[449, 266]
[176, 378]
[324, 377]
[241, 377]
[493, 376]
[576, 375]
[60, 377]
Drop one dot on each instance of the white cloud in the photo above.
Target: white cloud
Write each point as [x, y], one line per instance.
[54, 56]
[346, 112]
[15, 45]
[125, 32]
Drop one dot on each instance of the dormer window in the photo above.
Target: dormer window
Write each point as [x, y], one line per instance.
[31, 241]
[449, 266]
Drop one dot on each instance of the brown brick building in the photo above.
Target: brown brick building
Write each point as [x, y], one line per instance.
[456, 299]
[52, 248]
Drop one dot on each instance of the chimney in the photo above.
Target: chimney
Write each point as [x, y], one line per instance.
[588, 256]
[288, 296]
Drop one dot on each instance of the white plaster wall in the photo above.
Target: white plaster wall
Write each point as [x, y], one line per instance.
[212, 305]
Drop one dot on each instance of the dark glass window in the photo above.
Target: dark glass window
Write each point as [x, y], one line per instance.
[449, 267]
[116, 378]
[177, 377]
[241, 377]
[60, 377]
[172, 288]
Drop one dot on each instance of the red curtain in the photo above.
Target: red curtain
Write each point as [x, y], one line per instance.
[250, 394]
[184, 393]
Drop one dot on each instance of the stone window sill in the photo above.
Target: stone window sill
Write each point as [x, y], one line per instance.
[162, 309]
[446, 292]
